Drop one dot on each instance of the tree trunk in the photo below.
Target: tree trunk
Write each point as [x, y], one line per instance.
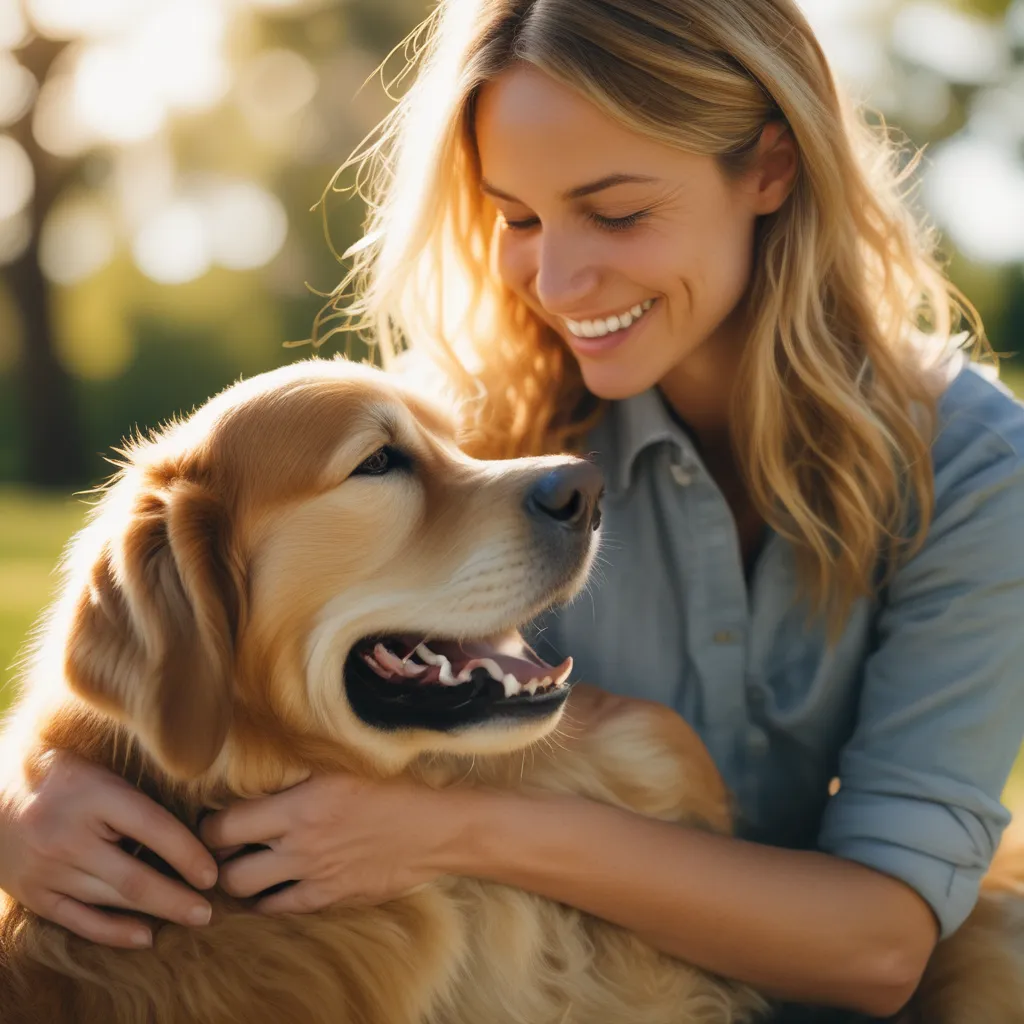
[52, 454]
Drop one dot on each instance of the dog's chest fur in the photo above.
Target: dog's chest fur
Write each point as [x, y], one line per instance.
[455, 952]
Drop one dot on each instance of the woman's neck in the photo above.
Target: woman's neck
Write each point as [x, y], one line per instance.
[699, 390]
[699, 393]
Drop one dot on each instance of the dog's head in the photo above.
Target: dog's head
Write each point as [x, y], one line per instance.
[309, 568]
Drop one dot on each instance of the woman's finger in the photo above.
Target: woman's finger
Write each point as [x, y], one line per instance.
[248, 821]
[304, 898]
[94, 925]
[147, 822]
[116, 879]
[256, 872]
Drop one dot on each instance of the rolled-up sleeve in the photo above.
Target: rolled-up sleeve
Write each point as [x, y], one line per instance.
[941, 712]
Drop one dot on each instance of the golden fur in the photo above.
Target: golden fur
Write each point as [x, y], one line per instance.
[198, 649]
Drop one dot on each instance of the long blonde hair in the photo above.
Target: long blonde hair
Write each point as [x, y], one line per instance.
[848, 305]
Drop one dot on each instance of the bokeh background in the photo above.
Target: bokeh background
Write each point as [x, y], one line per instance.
[159, 160]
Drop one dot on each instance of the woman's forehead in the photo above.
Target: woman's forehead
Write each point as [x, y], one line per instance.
[550, 138]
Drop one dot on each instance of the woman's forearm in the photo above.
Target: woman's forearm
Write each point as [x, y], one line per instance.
[799, 926]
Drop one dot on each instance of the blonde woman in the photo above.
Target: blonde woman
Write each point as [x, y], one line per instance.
[651, 230]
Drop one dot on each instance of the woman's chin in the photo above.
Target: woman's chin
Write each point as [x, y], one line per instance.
[614, 381]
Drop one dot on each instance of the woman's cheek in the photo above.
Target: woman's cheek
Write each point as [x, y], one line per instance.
[517, 262]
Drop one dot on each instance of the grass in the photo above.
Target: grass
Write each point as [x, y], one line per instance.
[35, 529]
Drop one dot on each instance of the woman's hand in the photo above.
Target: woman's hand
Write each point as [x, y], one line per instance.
[59, 855]
[342, 839]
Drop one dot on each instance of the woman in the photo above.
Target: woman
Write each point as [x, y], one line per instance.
[650, 230]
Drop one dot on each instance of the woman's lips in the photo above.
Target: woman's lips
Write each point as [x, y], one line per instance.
[602, 346]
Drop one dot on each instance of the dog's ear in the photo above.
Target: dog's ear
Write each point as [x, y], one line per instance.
[152, 635]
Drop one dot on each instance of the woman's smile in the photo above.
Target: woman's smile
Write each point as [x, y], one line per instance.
[596, 337]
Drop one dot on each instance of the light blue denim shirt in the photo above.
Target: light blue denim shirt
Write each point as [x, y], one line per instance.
[919, 708]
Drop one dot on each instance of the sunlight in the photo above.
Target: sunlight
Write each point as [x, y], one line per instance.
[55, 124]
[141, 61]
[66, 19]
[998, 113]
[15, 235]
[76, 241]
[19, 180]
[976, 188]
[13, 25]
[17, 89]
[247, 225]
[289, 5]
[143, 180]
[848, 31]
[115, 95]
[179, 46]
[273, 86]
[954, 44]
[172, 248]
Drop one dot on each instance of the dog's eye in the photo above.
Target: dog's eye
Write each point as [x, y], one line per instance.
[382, 461]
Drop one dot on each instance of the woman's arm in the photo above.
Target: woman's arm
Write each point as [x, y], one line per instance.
[800, 926]
[803, 927]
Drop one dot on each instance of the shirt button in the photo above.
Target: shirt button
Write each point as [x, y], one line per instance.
[681, 475]
[725, 636]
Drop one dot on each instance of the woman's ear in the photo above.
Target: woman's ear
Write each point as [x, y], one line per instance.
[775, 168]
[152, 636]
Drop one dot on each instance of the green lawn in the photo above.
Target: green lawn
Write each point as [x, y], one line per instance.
[33, 530]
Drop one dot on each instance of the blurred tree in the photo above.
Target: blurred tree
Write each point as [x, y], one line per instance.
[158, 243]
[47, 398]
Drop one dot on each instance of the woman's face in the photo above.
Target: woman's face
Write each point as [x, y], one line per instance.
[635, 252]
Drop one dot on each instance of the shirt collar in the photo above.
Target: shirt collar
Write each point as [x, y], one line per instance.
[634, 424]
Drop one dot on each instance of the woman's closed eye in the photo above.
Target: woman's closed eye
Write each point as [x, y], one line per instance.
[605, 223]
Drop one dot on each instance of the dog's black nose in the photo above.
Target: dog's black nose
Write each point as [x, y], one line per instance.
[570, 495]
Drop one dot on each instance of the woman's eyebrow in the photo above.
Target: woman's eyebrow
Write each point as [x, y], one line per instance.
[581, 190]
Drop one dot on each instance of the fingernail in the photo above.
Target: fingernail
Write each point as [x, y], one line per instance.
[200, 915]
[208, 878]
[142, 939]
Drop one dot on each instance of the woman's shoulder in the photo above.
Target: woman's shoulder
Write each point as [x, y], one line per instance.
[979, 432]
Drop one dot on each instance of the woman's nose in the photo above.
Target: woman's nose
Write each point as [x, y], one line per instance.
[565, 275]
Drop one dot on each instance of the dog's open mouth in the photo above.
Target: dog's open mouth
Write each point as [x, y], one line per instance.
[397, 682]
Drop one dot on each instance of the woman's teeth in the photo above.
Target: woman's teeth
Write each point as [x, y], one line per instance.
[610, 325]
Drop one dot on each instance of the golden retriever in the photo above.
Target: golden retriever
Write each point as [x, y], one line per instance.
[308, 576]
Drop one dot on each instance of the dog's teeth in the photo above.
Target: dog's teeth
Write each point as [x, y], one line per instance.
[440, 661]
[493, 669]
[564, 672]
[531, 687]
[378, 669]
[511, 685]
[429, 656]
[389, 660]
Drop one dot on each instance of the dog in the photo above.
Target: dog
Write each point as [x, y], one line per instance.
[309, 576]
